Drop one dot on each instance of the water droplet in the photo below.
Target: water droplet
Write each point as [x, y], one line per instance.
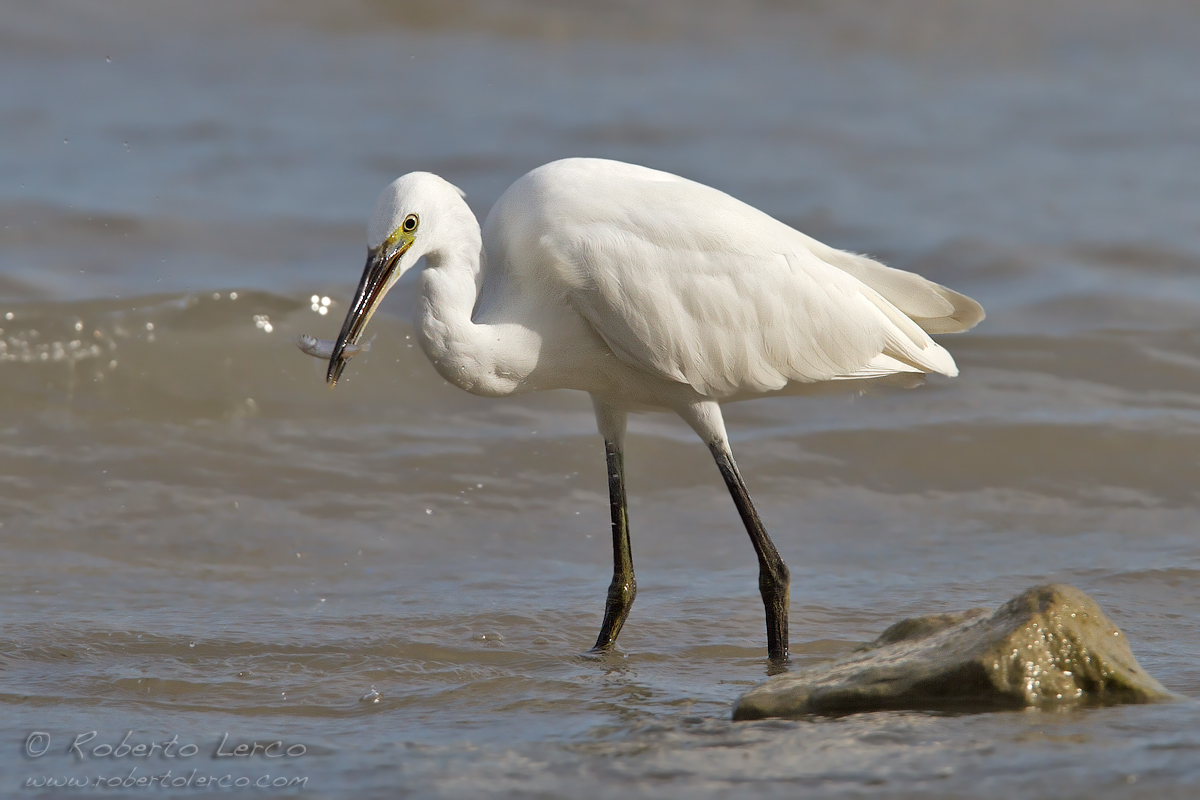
[191, 644]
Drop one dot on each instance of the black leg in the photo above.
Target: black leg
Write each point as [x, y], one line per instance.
[773, 574]
[623, 588]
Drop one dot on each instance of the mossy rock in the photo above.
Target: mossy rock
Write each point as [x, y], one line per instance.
[1050, 645]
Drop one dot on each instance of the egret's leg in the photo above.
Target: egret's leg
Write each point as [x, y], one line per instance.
[623, 588]
[773, 575]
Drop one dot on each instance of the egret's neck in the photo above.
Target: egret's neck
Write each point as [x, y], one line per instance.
[467, 354]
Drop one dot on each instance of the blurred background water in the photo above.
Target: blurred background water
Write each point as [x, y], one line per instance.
[200, 539]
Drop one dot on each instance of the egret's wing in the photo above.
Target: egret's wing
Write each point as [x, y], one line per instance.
[688, 283]
[724, 322]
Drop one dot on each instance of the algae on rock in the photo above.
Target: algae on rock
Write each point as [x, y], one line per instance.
[1049, 645]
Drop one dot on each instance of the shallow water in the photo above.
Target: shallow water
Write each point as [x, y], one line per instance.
[201, 540]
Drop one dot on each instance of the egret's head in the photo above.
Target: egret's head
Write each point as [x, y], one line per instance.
[407, 223]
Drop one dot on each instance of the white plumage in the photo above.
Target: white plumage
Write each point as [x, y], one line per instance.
[648, 291]
[686, 283]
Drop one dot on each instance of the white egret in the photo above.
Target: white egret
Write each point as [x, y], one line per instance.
[649, 292]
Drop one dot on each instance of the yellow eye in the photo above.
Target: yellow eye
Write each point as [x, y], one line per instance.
[410, 223]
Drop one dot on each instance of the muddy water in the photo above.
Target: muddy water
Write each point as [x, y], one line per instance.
[393, 580]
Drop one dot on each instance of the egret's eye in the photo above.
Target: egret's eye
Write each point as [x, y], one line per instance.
[410, 223]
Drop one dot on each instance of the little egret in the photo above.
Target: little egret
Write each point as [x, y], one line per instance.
[649, 292]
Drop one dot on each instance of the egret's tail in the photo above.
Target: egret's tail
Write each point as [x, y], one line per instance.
[932, 306]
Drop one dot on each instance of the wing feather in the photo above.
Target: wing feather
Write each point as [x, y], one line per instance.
[685, 282]
[726, 322]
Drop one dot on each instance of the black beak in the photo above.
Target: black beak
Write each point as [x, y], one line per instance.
[371, 287]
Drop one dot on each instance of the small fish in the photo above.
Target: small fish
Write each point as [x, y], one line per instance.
[323, 348]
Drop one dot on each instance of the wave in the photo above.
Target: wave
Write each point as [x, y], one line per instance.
[230, 351]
